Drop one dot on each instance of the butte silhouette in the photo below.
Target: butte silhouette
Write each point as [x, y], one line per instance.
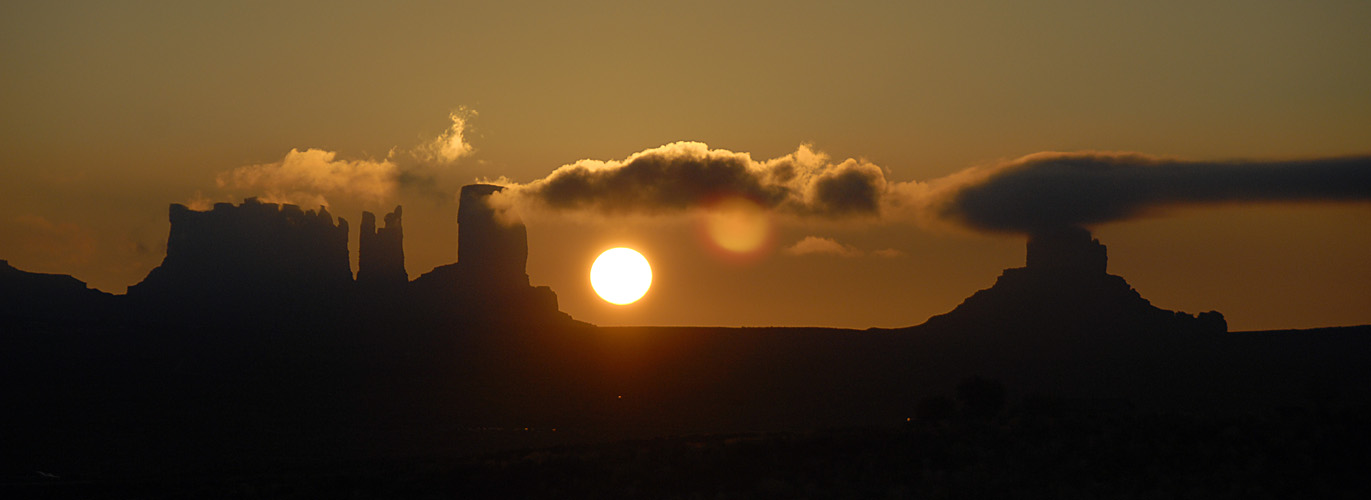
[281, 262]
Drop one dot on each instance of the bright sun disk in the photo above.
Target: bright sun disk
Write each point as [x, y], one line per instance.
[620, 275]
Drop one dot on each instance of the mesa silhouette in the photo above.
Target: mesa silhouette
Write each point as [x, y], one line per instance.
[253, 343]
[241, 263]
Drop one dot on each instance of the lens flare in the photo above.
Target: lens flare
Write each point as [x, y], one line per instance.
[738, 226]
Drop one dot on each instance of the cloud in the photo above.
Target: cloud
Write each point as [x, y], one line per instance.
[683, 175]
[818, 245]
[451, 145]
[888, 253]
[308, 177]
[1035, 192]
[1051, 190]
[312, 176]
[199, 202]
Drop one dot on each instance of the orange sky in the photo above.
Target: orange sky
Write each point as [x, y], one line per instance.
[111, 112]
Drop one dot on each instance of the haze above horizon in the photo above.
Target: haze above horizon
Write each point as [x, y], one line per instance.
[112, 112]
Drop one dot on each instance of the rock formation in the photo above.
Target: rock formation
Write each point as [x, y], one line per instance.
[38, 296]
[264, 262]
[1065, 287]
[1063, 325]
[381, 254]
[488, 280]
[16, 282]
[490, 250]
[437, 367]
[1066, 250]
[252, 256]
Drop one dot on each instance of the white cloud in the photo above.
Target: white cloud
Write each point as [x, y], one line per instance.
[313, 177]
[309, 177]
[816, 245]
[452, 144]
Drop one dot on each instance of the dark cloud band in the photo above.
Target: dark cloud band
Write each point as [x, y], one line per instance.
[683, 175]
[1043, 191]
[1050, 190]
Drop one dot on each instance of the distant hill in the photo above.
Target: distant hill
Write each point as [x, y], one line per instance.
[49, 298]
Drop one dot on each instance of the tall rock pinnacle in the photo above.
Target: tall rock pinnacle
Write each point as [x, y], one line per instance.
[488, 281]
[489, 249]
[381, 253]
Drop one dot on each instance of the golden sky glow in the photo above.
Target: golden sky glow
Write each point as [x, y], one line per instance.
[112, 111]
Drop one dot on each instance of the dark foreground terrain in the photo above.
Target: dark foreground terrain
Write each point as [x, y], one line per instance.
[581, 411]
[1041, 448]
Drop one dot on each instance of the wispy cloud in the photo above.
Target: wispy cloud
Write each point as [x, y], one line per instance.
[309, 177]
[313, 176]
[818, 245]
[452, 144]
[1035, 192]
[888, 253]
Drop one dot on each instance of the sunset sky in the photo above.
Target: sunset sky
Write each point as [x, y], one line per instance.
[109, 112]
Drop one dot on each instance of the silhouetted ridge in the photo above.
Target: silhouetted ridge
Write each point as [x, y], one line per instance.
[39, 296]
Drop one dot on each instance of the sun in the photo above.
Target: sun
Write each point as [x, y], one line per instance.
[620, 275]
